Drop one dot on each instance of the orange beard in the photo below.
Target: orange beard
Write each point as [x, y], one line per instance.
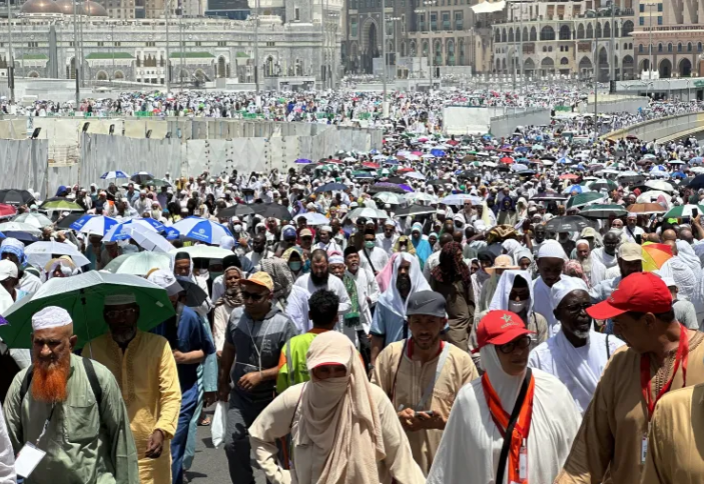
[49, 383]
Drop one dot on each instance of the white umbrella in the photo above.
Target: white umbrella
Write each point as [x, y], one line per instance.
[421, 197]
[150, 240]
[36, 219]
[203, 252]
[654, 196]
[489, 164]
[20, 227]
[41, 252]
[139, 264]
[659, 185]
[314, 218]
[518, 167]
[388, 197]
[367, 212]
[415, 175]
[697, 169]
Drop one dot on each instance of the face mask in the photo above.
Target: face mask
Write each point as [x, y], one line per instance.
[213, 275]
[203, 272]
[517, 306]
[294, 266]
[369, 244]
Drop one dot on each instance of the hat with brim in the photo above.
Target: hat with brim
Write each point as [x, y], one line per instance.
[503, 262]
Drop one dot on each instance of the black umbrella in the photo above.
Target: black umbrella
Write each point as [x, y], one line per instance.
[65, 223]
[386, 187]
[415, 209]
[395, 179]
[437, 182]
[273, 210]
[238, 210]
[550, 197]
[469, 174]
[637, 180]
[13, 196]
[570, 223]
[697, 182]
[195, 295]
[329, 187]
[142, 177]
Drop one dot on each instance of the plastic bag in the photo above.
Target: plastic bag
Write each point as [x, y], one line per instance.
[217, 428]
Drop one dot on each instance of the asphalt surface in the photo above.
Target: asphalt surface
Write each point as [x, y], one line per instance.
[210, 464]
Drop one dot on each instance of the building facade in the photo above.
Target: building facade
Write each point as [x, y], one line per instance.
[48, 43]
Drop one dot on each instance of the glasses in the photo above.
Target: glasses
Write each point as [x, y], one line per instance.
[578, 308]
[522, 343]
[306, 238]
[252, 297]
[117, 313]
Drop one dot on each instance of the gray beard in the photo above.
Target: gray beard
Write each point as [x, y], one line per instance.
[586, 266]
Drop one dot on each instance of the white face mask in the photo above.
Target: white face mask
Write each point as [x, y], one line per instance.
[517, 306]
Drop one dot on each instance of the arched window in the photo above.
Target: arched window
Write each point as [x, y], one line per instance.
[547, 33]
[689, 47]
[640, 49]
[669, 47]
[659, 47]
[679, 47]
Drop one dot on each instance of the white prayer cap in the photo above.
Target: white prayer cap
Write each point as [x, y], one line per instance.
[227, 242]
[552, 248]
[565, 286]
[7, 269]
[51, 317]
[390, 223]
[582, 241]
[325, 228]
[336, 259]
[165, 280]
[120, 299]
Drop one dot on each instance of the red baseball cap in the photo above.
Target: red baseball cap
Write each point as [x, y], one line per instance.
[499, 327]
[643, 292]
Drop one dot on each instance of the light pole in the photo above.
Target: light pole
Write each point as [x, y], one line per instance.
[256, 48]
[393, 21]
[596, 77]
[75, 54]
[11, 59]
[383, 45]
[429, 3]
[167, 74]
[612, 70]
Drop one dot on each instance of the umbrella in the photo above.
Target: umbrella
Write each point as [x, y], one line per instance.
[83, 296]
[139, 264]
[570, 223]
[13, 196]
[367, 212]
[603, 211]
[388, 197]
[201, 229]
[684, 211]
[33, 218]
[575, 189]
[569, 176]
[697, 182]
[655, 255]
[659, 185]
[239, 210]
[314, 218]
[646, 208]
[654, 196]
[438, 153]
[123, 230]
[19, 227]
[330, 187]
[203, 252]
[303, 161]
[583, 199]
[141, 177]
[62, 204]
[7, 211]
[152, 241]
[195, 295]
[603, 183]
[415, 175]
[386, 187]
[39, 253]
[519, 167]
[506, 160]
[94, 224]
[414, 209]
[634, 179]
[65, 223]
[114, 174]
[565, 160]
[549, 197]
[273, 210]
[159, 182]
[460, 199]
[421, 197]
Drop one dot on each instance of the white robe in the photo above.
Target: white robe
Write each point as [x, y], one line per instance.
[683, 275]
[471, 444]
[604, 258]
[578, 368]
[542, 304]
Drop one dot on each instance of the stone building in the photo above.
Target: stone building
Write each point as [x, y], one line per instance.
[199, 50]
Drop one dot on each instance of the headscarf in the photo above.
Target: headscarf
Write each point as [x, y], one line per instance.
[451, 265]
[68, 267]
[391, 298]
[511, 246]
[574, 268]
[13, 246]
[281, 275]
[339, 415]
[235, 299]
[410, 248]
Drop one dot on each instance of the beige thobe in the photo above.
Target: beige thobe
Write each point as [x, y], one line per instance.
[412, 380]
[282, 416]
[613, 427]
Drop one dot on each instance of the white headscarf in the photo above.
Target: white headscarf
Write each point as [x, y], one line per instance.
[391, 298]
[504, 287]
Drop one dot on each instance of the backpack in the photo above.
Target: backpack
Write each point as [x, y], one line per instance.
[90, 372]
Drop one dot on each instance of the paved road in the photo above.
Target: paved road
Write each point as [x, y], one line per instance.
[210, 464]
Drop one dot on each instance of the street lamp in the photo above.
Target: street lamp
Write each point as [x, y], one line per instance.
[649, 6]
[429, 3]
[393, 21]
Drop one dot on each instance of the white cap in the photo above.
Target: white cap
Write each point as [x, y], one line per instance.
[51, 317]
[552, 248]
[669, 281]
[227, 242]
[7, 269]
[120, 299]
[565, 286]
[165, 280]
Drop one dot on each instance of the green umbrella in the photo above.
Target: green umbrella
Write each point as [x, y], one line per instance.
[683, 211]
[83, 296]
[158, 182]
[61, 204]
[603, 211]
[603, 183]
[582, 199]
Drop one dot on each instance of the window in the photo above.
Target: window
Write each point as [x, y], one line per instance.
[297, 14]
[641, 21]
[32, 44]
[689, 47]
[117, 44]
[659, 47]
[271, 44]
[642, 7]
[101, 44]
[459, 24]
[222, 43]
[353, 27]
[197, 43]
[446, 21]
[640, 49]
[659, 7]
[659, 19]
[679, 47]
[699, 47]
[151, 44]
[434, 21]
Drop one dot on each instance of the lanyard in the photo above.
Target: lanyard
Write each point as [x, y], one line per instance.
[681, 358]
[46, 424]
[429, 389]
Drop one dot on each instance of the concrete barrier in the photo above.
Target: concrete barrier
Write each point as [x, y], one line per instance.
[619, 104]
[661, 128]
[497, 120]
[506, 124]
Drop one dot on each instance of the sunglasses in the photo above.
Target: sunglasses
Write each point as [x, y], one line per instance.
[522, 343]
[578, 308]
[250, 296]
[116, 313]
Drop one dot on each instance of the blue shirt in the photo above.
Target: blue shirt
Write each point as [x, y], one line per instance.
[190, 336]
[387, 324]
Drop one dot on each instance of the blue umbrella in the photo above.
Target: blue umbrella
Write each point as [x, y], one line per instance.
[94, 224]
[406, 188]
[697, 160]
[678, 174]
[522, 149]
[438, 153]
[391, 161]
[201, 229]
[114, 174]
[303, 161]
[330, 187]
[171, 233]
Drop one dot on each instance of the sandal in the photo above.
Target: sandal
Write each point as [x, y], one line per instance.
[205, 422]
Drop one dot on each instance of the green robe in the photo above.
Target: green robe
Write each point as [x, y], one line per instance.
[83, 443]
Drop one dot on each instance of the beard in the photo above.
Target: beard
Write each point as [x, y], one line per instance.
[403, 284]
[319, 280]
[586, 264]
[49, 382]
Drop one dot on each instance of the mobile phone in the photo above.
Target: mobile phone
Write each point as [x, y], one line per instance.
[695, 213]
[429, 413]
[639, 238]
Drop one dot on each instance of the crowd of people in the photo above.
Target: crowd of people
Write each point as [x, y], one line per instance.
[471, 309]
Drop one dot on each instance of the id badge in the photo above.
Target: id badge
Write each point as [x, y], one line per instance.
[28, 459]
[643, 448]
[523, 463]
